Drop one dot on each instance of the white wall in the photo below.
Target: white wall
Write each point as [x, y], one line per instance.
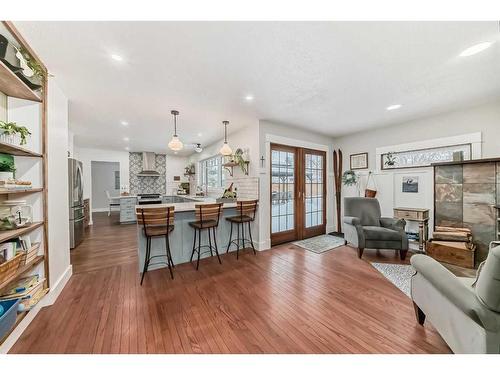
[58, 208]
[484, 119]
[87, 155]
[271, 132]
[103, 179]
[174, 167]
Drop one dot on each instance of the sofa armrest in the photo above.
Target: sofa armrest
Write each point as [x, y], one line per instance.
[392, 223]
[353, 231]
[454, 291]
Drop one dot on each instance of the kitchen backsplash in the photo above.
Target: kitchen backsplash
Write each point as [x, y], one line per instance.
[146, 185]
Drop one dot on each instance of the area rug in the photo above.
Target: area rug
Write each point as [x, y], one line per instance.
[320, 244]
[398, 274]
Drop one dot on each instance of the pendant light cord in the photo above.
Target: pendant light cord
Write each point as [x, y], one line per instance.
[175, 125]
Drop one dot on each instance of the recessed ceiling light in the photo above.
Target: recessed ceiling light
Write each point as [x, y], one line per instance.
[124, 123]
[175, 152]
[126, 139]
[476, 49]
[127, 148]
[393, 107]
[200, 134]
[116, 57]
[249, 98]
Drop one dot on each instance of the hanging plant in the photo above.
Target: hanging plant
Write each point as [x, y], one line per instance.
[238, 158]
[349, 178]
[11, 128]
[35, 67]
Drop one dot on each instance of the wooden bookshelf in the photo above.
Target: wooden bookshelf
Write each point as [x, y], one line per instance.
[22, 270]
[19, 318]
[6, 235]
[20, 191]
[13, 86]
[7, 148]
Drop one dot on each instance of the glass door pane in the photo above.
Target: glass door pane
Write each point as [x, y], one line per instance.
[314, 190]
[282, 191]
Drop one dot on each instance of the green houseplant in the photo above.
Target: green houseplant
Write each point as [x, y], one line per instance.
[11, 129]
[7, 167]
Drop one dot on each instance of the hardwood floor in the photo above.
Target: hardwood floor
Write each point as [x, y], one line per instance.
[284, 300]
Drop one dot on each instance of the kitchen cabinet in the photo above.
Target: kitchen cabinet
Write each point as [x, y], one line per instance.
[127, 209]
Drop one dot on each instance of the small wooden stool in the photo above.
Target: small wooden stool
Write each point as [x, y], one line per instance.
[246, 214]
[156, 222]
[207, 217]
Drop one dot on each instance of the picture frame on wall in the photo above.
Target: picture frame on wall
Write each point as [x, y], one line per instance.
[410, 184]
[359, 161]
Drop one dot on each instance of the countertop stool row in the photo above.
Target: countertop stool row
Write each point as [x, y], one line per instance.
[159, 222]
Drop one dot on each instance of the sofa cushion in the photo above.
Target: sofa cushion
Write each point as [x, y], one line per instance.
[488, 282]
[381, 234]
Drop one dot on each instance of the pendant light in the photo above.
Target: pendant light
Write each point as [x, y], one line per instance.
[175, 143]
[198, 148]
[225, 149]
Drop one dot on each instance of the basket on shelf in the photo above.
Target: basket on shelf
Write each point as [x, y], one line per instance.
[31, 254]
[9, 268]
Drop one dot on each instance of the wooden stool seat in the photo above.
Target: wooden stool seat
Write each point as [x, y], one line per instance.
[239, 219]
[206, 217]
[205, 224]
[156, 222]
[159, 230]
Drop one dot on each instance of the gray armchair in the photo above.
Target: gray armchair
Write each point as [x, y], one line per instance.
[365, 228]
[465, 311]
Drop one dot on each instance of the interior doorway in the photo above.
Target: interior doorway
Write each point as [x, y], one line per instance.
[105, 178]
[298, 193]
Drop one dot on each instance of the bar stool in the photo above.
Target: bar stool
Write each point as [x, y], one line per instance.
[246, 214]
[207, 217]
[156, 222]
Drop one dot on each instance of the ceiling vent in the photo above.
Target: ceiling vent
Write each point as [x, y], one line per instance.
[148, 165]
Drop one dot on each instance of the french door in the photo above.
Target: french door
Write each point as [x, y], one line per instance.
[298, 193]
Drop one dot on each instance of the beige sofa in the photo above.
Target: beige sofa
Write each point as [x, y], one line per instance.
[465, 312]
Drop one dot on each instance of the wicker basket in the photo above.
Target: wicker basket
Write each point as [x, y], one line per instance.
[9, 268]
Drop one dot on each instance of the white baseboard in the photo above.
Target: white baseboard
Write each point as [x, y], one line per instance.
[103, 209]
[264, 245]
[48, 300]
[57, 288]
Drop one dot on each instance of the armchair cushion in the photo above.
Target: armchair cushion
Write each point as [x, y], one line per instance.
[392, 223]
[381, 234]
[488, 281]
[366, 209]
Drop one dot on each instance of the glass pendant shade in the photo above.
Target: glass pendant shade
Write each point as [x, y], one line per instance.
[175, 143]
[225, 149]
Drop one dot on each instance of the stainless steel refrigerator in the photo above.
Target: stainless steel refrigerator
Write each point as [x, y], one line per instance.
[75, 180]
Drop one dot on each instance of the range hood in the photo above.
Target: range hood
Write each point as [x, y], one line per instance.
[148, 165]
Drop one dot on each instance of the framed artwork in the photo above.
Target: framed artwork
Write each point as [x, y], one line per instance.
[359, 161]
[410, 184]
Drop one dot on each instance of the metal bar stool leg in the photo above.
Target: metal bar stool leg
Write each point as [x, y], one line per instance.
[199, 249]
[167, 250]
[215, 243]
[251, 239]
[230, 237]
[194, 247]
[146, 258]
[238, 241]
[243, 235]
[210, 242]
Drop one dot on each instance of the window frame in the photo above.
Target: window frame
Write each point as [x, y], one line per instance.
[203, 168]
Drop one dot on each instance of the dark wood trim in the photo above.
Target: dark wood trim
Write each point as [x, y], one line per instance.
[358, 154]
[474, 161]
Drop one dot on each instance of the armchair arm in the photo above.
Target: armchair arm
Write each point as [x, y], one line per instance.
[352, 220]
[353, 231]
[392, 223]
[454, 291]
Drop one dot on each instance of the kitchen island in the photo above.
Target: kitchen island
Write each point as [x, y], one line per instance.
[181, 239]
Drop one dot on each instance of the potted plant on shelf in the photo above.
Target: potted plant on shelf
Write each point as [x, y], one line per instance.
[9, 131]
[7, 168]
[239, 158]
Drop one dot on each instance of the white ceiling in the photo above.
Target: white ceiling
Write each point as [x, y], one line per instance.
[330, 77]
